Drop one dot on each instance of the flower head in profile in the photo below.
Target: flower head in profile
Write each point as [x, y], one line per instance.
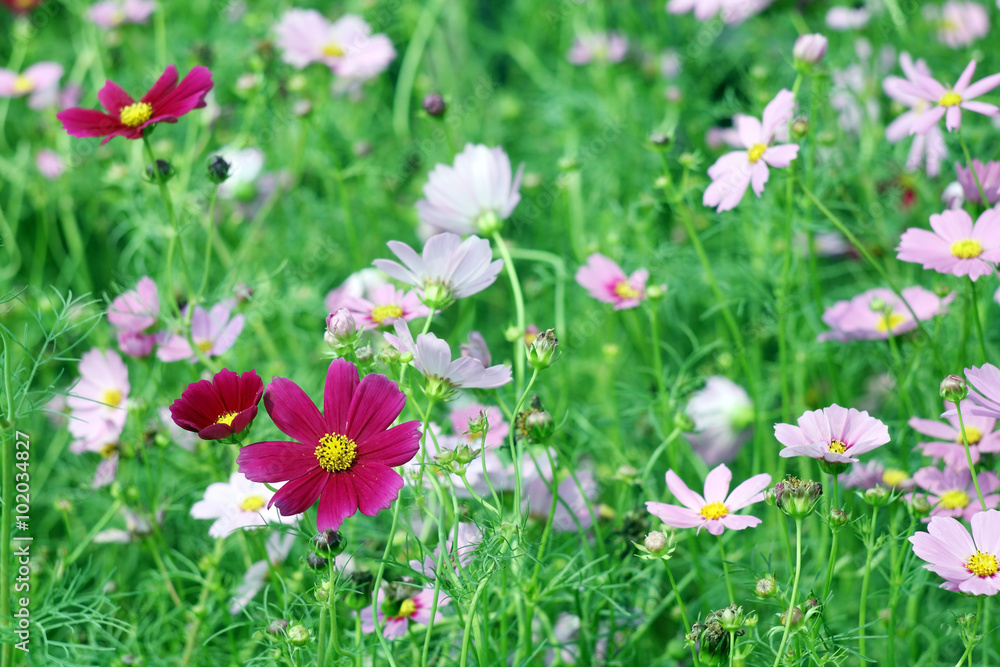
[734, 172]
[950, 100]
[947, 435]
[984, 382]
[113, 13]
[834, 435]
[449, 268]
[38, 81]
[723, 414]
[399, 607]
[165, 102]
[219, 409]
[386, 305]
[98, 402]
[989, 178]
[347, 46]
[875, 313]
[605, 281]
[212, 331]
[238, 503]
[956, 246]
[598, 47]
[473, 195]
[343, 456]
[716, 510]
[952, 492]
[968, 563]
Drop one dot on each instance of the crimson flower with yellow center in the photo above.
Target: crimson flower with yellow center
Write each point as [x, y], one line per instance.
[716, 510]
[221, 408]
[343, 456]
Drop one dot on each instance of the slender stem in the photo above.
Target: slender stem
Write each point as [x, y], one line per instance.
[968, 455]
[209, 231]
[515, 453]
[681, 608]
[467, 635]
[515, 286]
[835, 530]
[655, 456]
[176, 233]
[378, 583]
[974, 306]
[795, 592]
[200, 612]
[657, 356]
[732, 647]
[725, 571]
[975, 176]
[865, 579]
[408, 70]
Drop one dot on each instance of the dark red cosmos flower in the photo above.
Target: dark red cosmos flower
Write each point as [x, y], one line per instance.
[344, 456]
[165, 102]
[22, 6]
[220, 408]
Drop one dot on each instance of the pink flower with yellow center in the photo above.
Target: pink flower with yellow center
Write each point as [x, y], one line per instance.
[716, 510]
[875, 313]
[396, 613]
[952, 492]
[346, 46]
[605, 281]
[968, 564]
[39, 81]
[947, 444]
[98, 402]
[950, 101]
[956, 246]
[386, 305]
[212, 331]
[834, 435]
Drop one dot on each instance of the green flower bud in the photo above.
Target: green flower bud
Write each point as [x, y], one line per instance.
[298, 635]
[954, 388]
[544, 350]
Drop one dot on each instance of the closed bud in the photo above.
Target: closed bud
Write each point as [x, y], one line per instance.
[920, 506]
[277, 627]
[389, 356]
[322, 594]
[544, 350]
[329, 544]
[767, 587]
[364, 354]
[796, 497]
[316, 561]
[796, 617]
[540, 426]
[298, 635]
[218, 169]
[800, 127]
[162, 173]
[659, 139]
[838, 518]
[689, 160]
[809, 49]
[877, 496]
[434, 105]
[341, 327]
[656, 543]
[478, 424]
[954, 389]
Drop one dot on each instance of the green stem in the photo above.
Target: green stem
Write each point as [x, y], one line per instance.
[176, 234]
[725, 572]
[378, 584]
[795, 592]
[200, 611]
[515, 453]
[835, 530]
[515, 286]
[968, 455]
[975, 176]
[681, 608]
[209, 231]
[467, 635]
[865, 579]
[408, 70]
[974, 306]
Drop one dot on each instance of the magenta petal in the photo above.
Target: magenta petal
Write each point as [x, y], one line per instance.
[341, 383]
[376, 403]
[293, 412]
[298, 495]
[84, 123]
[337, 501]
[189, 93]
[276, 461]
[113, 98]
[163, 86]
[394, 447]
[376, 486]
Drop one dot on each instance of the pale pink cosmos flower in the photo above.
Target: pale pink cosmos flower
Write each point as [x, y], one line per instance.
[449, 268]
[136, 310]
[870, 474]
[979, 431]
[98, 402]
[598, 47]
[833, 434]
[929, 147]
[847, 18]
[359, 284]
[346, 46]
[238, 503]
[989, 178]
[49, 164]
[956, 246]
[477, 348]
[472, 195]
[968, 564]
[716, 510]
[212, 331]
[113, 13]
[951, 100]
[959, 23]
[723, 414]
[952, 492]
[731, 11]
[278, 547]
[38, 81]
[498, 429]
[432, 357]
[395, 616]
[984, 390]
[575, 494]
[605, 281]
[734, 172]
[386, 305]
[875, 313]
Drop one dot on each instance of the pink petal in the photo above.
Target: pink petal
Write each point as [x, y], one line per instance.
[672, 515]
[298, 495]
[293, 413]
[375, 405]
[337, 501]
[717, 485]
[685, 495]
[341, 383]
[276, 461]
[376, 486]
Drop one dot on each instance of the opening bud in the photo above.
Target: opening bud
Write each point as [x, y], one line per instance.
[544, 350]
[329, 544]
[954, 388]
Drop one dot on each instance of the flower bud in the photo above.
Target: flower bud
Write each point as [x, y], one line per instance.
[277, 627]
[163, 172]
[364, 354]
[341, 327]
[809, 49]
[796, 617]
[218, 169]
[796, 497]
[838, 518]
[656, 543]
[877, 496]
[544, 350]
[316, 561]
[659, 139]
[800, 127]
[322, 593]
[329, 543]
[766, 587]
[298, 635]
[434, 105]
[920, 506]
[954, 389]
[540, 426]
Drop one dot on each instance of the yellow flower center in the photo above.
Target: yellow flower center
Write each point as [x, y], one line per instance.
[838, 446]
[336, 453]
[136, 114]
[252, 503]
[889, 322]
[22, 85]
[972, 435]
[894, 477]
[954, 499]
[714, 510]
[755, 152]
[982, 565]
[333, 49]
[227, 418]
[966, 248]
[112, 397]
[408, 607]
[205, 345]
[626, 291]
[108, 450]
[381, 313]
[950, 99]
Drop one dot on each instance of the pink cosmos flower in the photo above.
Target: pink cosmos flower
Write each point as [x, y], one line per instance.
[731, 11]
[498, 429]
[387, 305]
[213, 331]
[833, 434]
[952, 492]
[342, 456]
[956, 246]
[929, 147]
[605, 281]
[951, 100]
[847, 18]
[49, 164]
[574, 496]
[969, 564]
[38, 81]
[395, 615]
[873, 314]
[346, 46]
[989, 178]
[98, 402]
[870, 474]
[113, 13]
[238, 503]
[165, 102]
[474, 194]
[734, 172]
[135, 343]
[278, 547]
[984, 390]
[959, 23]
[136, 310]
[449, 268]
[723, 414]
[598, 47]
[360, 284]
[716, 510]
[432, 357]
[477, 348]
[979, 431]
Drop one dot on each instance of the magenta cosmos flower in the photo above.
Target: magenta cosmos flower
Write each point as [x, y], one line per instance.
[833, 434]
[607, 282]
[224, 407]
[714, 512]
[979, 431]
[238, 503]
[874, 314]
[38, 81]
[113, 13]
[346, 46]
[343, 456]
[989, 178]
[951, 100]
[734, 172]
[165, 102]
[395, 614]
[984, 382]
[474, 194]
[956, 246]
[212, 331]
[449, 268]
[386, 305]
[968, 563]
[952, 492]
